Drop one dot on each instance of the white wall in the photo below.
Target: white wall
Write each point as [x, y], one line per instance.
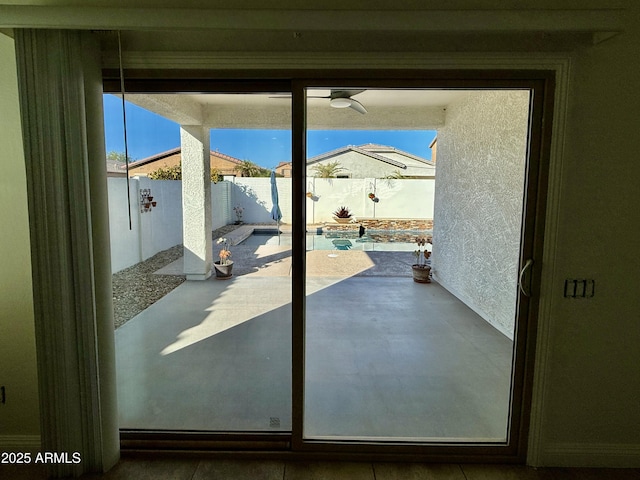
[254, 195]
[152, 231]
[19, 417]
[592, 386]
[479, 191]
[159, 229]
[125, 243]
[221, 205]
[164, 222]
[404, 198]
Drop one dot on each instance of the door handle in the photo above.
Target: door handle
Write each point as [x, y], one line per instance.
[528, 264]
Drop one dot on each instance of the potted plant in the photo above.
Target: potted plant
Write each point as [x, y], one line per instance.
[422, 267]
[342, 215]
[223, 266]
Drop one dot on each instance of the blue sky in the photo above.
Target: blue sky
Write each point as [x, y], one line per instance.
[149, 134]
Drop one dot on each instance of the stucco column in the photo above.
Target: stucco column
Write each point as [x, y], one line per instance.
[196, 201]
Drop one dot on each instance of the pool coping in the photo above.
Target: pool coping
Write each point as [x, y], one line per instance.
[245, 231]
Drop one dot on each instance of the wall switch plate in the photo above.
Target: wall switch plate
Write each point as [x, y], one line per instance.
[579, 288]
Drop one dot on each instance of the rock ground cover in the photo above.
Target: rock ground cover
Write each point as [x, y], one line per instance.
[137, 287]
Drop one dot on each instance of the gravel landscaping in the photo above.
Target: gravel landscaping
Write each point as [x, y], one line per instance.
[137, 287]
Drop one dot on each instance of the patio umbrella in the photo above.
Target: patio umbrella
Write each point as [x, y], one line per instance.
[276, 214]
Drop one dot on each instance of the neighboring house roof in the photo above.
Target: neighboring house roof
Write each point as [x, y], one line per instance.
[115, 168]
[224, 156]
[374, 151]
[284, 169]
[173, 151]
[154, 158]
[382, 149]
[352, 148]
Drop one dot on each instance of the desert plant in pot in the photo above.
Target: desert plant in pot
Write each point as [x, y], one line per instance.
[224, 266]
[342, 215]
[422, 267]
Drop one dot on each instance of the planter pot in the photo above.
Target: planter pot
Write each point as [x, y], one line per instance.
[342, 220]
[223, 271]
[421, 273]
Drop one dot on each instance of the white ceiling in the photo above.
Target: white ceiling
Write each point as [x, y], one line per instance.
[373, 97]
[386, 109]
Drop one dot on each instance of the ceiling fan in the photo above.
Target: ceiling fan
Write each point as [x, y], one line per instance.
[340, 99]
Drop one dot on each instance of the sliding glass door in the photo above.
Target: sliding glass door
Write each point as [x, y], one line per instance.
[377, 302]
[388, 358]
[209, 354]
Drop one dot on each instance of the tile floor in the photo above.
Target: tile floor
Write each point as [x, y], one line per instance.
[199, 469]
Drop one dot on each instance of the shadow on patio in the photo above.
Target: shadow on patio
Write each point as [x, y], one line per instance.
[385, 357]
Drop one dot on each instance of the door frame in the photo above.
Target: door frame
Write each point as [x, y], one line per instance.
[543, 82]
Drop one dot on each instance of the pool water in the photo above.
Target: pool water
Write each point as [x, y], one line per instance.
[374, 240]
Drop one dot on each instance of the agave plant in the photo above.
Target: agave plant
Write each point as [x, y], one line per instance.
[342, 212]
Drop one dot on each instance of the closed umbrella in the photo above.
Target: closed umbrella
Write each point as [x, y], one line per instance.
[276, 214]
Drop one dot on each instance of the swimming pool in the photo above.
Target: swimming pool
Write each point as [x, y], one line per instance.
[372, 240]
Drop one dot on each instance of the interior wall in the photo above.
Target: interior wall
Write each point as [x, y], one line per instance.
[478, 202]
[19, 416]
[591, 412]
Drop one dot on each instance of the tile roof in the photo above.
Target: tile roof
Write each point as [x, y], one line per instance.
[173, 151]
[386, 148]
[371, 150]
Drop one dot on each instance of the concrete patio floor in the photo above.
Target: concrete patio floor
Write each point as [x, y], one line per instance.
[385, 357]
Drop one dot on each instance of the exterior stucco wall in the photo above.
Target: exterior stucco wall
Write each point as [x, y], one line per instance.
[405, 198]
[152, 231]
[478, 202]
[125, 242]
[253, 194]
[161, 228]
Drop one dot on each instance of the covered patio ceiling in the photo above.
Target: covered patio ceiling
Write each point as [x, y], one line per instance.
[397, 109]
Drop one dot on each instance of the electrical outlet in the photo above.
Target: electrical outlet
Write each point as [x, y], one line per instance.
[579, 288]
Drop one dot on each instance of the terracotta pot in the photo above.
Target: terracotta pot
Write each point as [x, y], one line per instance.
[421, 273]
[223, 271]
[342, 220]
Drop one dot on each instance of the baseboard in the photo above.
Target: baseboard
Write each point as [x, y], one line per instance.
[20, 443]
[607, 455]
